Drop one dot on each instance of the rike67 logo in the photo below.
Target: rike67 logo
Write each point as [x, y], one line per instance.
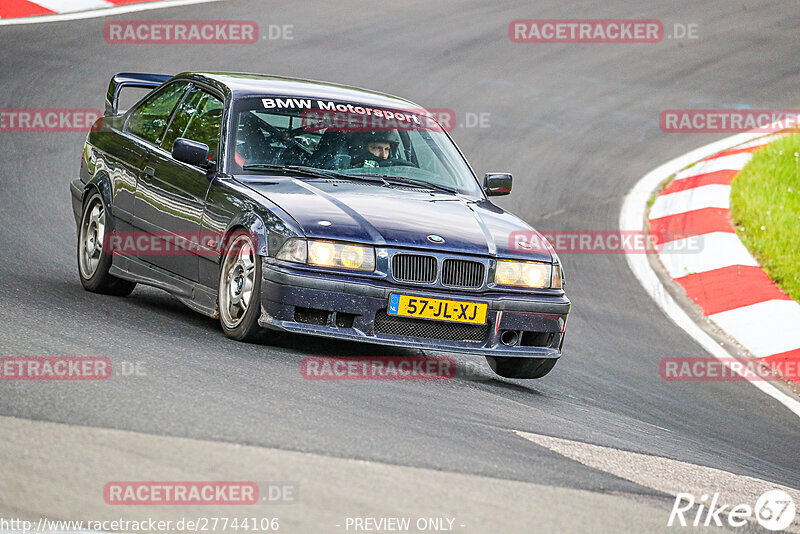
[774, 510]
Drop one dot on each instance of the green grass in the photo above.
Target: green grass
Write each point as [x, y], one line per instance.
[765, 208]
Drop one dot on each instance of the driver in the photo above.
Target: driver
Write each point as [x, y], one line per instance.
[374, 147]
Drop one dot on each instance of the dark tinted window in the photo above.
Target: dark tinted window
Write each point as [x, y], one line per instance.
[199, 118]
[151, 118]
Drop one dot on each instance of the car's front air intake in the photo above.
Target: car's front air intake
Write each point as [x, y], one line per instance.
[421, 328]
[462, 273]
[418, 268]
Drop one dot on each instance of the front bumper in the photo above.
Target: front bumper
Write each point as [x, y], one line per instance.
[329, 306]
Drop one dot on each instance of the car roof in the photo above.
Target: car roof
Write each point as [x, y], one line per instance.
[243, 85]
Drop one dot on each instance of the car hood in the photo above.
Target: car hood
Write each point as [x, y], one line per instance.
[396, 216]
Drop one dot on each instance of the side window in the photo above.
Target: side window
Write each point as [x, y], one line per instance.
[199, 118]
[150, 119]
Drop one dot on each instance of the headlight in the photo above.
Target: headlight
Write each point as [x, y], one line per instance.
[523, 274]
[328, 254]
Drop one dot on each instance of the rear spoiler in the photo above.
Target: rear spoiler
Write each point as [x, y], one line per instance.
[130, 79]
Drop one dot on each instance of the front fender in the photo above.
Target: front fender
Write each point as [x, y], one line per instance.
[254, 224]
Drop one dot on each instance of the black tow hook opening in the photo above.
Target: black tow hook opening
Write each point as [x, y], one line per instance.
[509, 338]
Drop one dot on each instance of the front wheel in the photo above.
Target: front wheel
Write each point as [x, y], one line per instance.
[521, 367]
[239, 293]
[94, 260]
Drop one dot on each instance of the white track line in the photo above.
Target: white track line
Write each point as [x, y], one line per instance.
[697, 198]
[761, 141]
[733, 162]
[665, 474]
[762, 327]
[632, 217]
[702, 253]
[119, 10]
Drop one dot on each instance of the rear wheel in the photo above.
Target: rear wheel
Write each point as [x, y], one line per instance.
[521, 367]
[239, 294]
[93, 260]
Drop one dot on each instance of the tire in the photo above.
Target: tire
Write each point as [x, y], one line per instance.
[521, 367]
[93, 261]
[239, 293]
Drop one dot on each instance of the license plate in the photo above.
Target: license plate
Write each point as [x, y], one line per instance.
[437, 309]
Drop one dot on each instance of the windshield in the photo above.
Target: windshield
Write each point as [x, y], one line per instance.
[348, 138]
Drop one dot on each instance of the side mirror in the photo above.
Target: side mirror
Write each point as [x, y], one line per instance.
[191, 152]
[497, 183]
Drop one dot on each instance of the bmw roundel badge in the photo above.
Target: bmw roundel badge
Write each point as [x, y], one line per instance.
[433, 238]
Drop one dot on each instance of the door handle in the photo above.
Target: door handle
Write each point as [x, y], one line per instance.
[148, 172]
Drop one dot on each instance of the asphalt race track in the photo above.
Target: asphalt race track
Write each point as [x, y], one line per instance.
[576, 124]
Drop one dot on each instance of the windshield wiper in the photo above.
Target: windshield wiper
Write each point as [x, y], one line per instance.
[309, 171]
[421, 183]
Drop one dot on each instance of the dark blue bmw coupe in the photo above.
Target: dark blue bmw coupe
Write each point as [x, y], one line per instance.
[300, 206]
